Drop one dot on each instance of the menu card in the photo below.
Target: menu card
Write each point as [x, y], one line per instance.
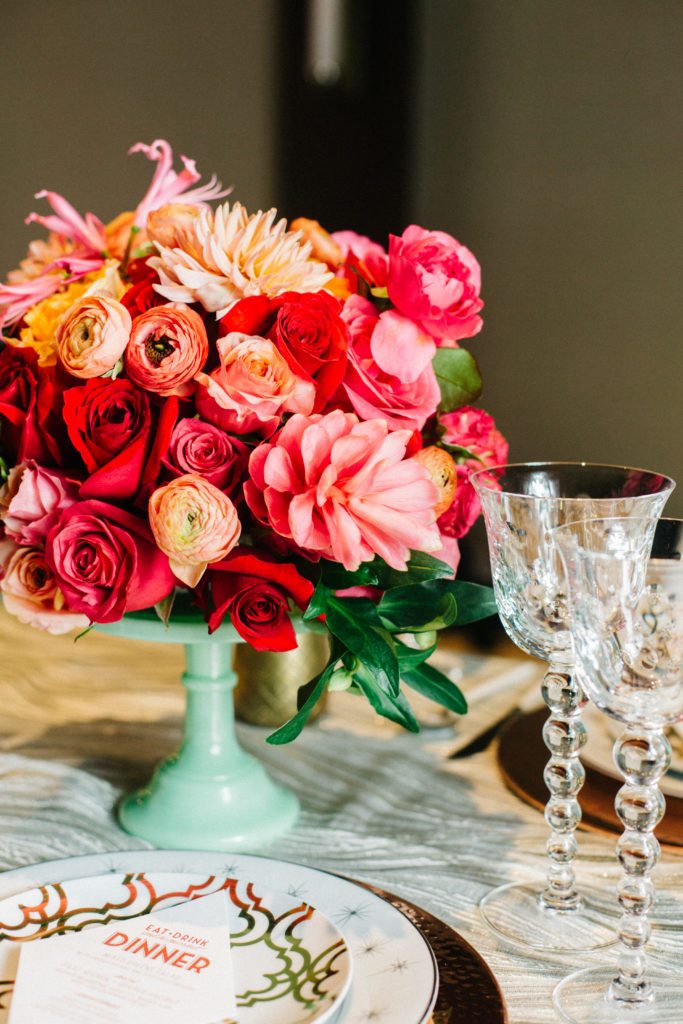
[173, 967]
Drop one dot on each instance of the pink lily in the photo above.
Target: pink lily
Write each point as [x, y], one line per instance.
[167, 185]
[88, 232]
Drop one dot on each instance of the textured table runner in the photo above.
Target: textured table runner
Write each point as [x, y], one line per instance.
[81, 722]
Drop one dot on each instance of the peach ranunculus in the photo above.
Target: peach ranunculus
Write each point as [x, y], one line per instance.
[385, 352]
[92, 336]
[252, 387]
[168, 346]
[30, 592]
[31, 499]
[193, 523]
[172, 226]
[436, 281]
[323, 245]
[345, 489]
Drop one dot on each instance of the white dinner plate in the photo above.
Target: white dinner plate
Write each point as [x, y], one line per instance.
[597, 753]
[395, 977]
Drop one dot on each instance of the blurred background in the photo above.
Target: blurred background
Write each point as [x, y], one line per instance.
[544, 134]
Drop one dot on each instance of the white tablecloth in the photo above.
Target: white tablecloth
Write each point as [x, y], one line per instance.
[379, 805]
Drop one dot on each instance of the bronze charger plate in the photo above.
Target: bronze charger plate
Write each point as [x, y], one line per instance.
[522, 756]
[468, 990]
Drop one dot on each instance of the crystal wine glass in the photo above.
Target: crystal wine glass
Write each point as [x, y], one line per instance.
[521, 505]
[626, 619]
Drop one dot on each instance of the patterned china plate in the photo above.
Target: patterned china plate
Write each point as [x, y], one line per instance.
[291, 964]
[395, 976]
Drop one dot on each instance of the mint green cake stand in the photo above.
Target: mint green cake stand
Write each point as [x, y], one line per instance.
[211, 794]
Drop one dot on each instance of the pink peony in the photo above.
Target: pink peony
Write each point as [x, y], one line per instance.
[168, 347]
[404, 398]
[345, 489]
[252, 387]
[105, 561]
[30, 592]
[193, 523]
[32, 498]
[475, 430]
[436, 281]
[92, 336]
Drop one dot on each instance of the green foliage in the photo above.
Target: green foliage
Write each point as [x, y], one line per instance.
[458, 376]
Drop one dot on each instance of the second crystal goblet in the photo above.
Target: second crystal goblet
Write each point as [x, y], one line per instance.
[521, 504]
[626, 617]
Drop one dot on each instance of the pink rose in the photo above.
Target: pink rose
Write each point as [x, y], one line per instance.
[92, 335]
[436, 281]
[399, 395]
[475, 430]
[193, 523]
[198, 447]
[30, 592]
[32, 498]
[167, 349]
[105, 561]
[252, 387]
[344, 489]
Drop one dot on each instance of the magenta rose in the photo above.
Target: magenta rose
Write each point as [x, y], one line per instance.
[119, 436]
[436, 281]
[199, 447]
[105, 561]
[389, 389]
[255, 590]
[26, 402]
[31, 500]
[475, 430]
[459, 518]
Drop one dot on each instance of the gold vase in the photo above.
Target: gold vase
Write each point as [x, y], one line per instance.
[268, 681]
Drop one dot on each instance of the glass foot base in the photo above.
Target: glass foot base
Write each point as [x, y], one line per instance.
[515, 915]
[583, 998]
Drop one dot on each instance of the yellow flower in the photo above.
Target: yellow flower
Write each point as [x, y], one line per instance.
[43, 319]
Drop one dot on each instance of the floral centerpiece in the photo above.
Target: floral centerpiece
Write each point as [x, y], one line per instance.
[275, 419]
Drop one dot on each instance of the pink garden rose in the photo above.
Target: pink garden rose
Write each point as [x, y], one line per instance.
[436, 281]
[92, 335]
[32, 498]
[344, 489]
[193, 523]
[105, 561]
[198, 447]
[252, 387]
[475, 430]
[167, 349]
[30, 592]
[380, 379]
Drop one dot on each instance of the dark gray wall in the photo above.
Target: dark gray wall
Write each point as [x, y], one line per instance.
[551, 143]
[81, 80]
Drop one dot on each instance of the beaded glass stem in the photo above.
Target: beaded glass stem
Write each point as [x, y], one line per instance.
[522, 504]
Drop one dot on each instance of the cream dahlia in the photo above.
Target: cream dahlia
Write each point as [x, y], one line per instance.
[229, 254]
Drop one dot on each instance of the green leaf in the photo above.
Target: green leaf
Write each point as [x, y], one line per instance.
[356, 622]
[392, 706]
[421, 567]
[474, 601]
[312, 693]
[318, 604]
[458, 452]
[337, 577]
[419, 606]
[165, 607]
[458, 376]
[434, 684]
[409, 657]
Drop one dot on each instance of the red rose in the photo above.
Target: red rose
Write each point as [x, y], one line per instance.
[119, 436]
[199, 447]
[105, 561]
[141, 295]
[27, 397]
[255, 589]
[307, 330]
